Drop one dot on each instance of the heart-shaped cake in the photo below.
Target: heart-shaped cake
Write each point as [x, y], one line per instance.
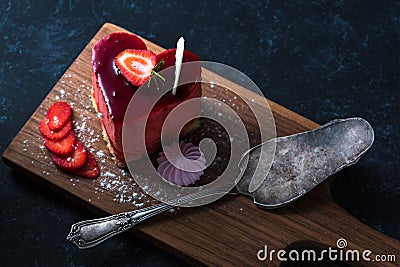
[113, 89]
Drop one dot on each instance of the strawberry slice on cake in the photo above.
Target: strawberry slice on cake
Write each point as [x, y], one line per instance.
[121, 63]
[136, 65]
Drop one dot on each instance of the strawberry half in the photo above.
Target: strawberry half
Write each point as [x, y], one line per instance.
[54, 135]
[136, 65]
[73, 161]
[61, 147]
[90, 169]
[58, 114]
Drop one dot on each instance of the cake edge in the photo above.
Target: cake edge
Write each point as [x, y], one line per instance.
[120, 164]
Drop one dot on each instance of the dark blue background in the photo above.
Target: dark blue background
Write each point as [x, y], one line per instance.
[324, 60]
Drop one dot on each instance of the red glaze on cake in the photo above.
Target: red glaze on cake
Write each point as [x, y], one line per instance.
[112, 92]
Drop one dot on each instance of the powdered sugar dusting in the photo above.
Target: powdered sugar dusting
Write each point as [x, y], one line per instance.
[123, 188]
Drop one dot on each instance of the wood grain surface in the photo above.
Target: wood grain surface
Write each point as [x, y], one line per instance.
[228, 232]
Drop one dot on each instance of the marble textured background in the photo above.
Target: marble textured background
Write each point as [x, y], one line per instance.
[323, 59]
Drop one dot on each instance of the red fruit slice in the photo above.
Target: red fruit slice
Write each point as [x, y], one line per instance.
[61, 147]
[54, 135]
[73, 161]
[136, 65]
[58, 114]
[90, 169]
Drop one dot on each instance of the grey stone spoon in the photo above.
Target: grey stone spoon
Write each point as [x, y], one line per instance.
[301, 162]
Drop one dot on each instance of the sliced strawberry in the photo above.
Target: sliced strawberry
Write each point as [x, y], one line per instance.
[61, 147]
[58, 114]
[136, 65]
[90, 169]
[73, 161]
[54, 135]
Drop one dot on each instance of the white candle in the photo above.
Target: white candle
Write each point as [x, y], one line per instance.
[180, 46]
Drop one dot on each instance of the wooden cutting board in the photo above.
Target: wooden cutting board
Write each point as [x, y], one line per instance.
[228, 232]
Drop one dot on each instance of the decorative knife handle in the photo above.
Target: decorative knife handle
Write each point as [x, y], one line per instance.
[89, 233]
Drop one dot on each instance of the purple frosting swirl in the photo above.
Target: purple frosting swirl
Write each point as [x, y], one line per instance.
[183, 171]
